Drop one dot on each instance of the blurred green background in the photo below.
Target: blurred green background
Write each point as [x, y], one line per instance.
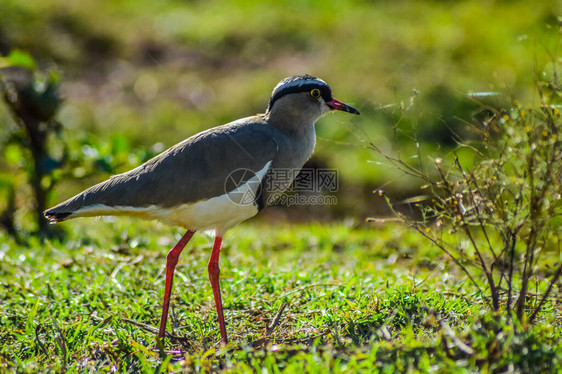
[140, 76]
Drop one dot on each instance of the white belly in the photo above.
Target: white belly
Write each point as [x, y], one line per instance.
[219, 213]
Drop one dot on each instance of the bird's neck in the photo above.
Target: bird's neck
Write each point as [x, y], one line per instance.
[291, 121]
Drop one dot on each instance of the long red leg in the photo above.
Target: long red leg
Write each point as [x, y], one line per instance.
[214, 272]
[171, 262]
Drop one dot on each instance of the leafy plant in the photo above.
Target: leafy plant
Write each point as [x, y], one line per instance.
[39, 153]
[494, 205]
[33, 102]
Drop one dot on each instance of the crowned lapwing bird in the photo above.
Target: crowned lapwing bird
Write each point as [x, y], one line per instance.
[217, 178]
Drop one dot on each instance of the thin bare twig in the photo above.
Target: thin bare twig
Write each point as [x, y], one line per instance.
[513, 239]
[144, 326]
[448, 253]
[61, 341]
[487, 272]
[271, 327]
[302, 288]
[39, 342]
[546, 294]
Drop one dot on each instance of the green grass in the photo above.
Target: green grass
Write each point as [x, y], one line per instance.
[356, 298]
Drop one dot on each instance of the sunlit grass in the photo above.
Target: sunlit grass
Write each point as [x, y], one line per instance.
[353, 295]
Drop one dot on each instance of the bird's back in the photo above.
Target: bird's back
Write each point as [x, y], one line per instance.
[193, 170]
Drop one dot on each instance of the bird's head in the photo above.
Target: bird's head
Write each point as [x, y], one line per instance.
[304, 98]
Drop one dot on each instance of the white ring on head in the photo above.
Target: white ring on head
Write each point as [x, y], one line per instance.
[298, 82]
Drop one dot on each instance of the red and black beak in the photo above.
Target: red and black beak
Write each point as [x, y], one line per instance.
[338, 105]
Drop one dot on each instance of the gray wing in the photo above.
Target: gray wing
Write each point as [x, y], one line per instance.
[193, 170]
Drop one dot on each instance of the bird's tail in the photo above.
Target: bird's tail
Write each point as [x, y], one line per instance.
[75, 206]
[67, 209]
[58, 213]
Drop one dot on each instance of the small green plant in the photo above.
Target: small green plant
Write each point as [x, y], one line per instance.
[36, 153]
[494, 204]
[33, 101]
